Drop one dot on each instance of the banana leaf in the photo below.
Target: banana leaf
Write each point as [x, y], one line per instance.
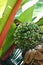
[26, 16]
[24, 1]
[38, 8]
[6, 7]
[26, 11]
[8, 41]
[40, 22]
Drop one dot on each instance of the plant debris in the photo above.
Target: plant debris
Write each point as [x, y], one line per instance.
[34, 56]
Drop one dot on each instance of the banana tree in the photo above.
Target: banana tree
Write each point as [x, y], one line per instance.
[38, 20]
[21, 14]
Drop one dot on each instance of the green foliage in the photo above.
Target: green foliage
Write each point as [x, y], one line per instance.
[40, 22]
[9, 40]
[41, 29]
[27, 36]
[8, 8]
[38, 8]
[26, 16]
[24, 1]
